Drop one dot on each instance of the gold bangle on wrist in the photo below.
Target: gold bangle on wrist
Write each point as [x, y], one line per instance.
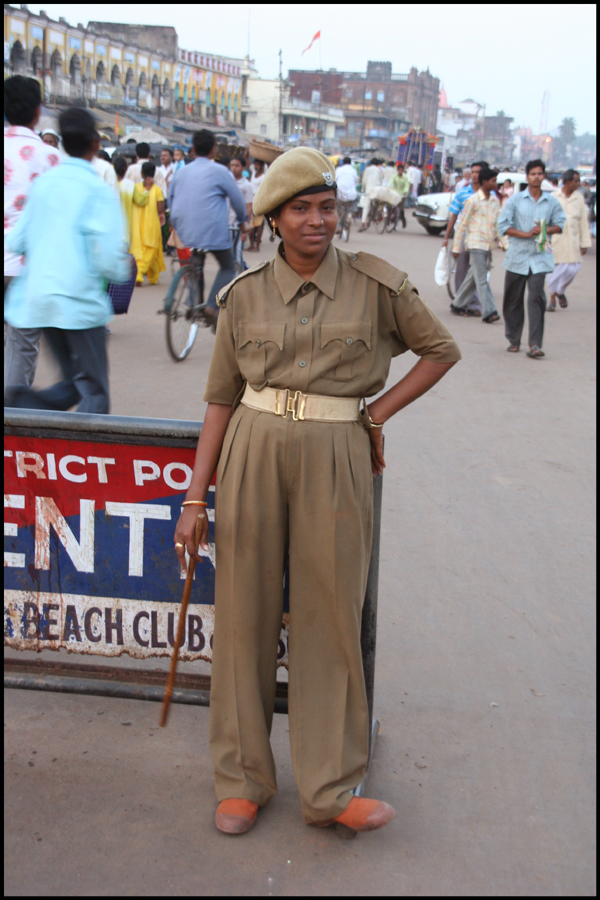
[371, 424]
[194, 503]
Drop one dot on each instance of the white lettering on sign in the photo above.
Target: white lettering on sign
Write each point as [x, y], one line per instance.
[47, 514]
[181, 485]
[13, 501]
[138, 469]
[51, 466]
[23, 467]
[136, 513]
[64, 471]
[102, 462]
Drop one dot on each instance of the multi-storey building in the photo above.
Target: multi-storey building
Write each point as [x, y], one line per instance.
[116, 64]
[378, 105]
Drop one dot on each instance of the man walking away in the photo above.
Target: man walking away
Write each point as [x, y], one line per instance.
[346, 179]
[572, 244]
[399, 183]
[371, 179]
[527, 262]
[197, 200]
[388, 172]
[25, 157]
[457, 204]
[62, 288]
[478, 228]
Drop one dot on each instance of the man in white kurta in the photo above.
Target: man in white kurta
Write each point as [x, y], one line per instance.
[572, 244]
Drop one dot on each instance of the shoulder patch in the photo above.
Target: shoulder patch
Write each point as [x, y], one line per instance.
[222, 295]
[380, 270]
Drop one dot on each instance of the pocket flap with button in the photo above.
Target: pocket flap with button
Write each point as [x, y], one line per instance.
[347, 332]
[260, 333]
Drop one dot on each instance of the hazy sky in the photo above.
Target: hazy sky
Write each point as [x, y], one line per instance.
[504, 56]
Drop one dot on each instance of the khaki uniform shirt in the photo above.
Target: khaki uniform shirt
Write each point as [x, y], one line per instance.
[335, 335]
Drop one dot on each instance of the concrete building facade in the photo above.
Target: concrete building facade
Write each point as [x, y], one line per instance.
[378, 104]
[276, 116]
[108, 63]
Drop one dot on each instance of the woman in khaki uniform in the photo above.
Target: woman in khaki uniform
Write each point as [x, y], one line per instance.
[300, 340]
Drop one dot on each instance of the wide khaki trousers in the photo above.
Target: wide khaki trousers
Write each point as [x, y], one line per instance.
[303, 489]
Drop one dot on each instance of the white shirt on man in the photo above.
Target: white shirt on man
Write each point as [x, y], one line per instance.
[346, 179]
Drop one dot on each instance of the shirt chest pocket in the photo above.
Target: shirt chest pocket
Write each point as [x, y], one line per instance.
[345, 349]
[260, 351]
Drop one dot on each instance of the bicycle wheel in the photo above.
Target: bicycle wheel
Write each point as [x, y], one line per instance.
[452, 269]
[382, 218]
[181, 307]
[392, 219]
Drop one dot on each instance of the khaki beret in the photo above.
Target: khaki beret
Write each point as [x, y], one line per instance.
[291, 173]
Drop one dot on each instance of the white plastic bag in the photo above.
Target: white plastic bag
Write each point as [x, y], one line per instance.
[442, 268]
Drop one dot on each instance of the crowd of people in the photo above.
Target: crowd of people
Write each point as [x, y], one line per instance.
[177, 204]
[543, 233]
[112, 223]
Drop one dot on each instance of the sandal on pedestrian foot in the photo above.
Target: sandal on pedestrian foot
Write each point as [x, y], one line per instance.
[473, 312]
[513, 348]
[535, 353]
[493, 317]
[562, 300]
[456, 311]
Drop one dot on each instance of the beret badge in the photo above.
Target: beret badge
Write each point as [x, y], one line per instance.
[328, 178]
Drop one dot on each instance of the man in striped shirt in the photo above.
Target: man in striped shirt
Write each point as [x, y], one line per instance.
[478, 228]
[526, 262]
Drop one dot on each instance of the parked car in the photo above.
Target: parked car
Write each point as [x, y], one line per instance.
[432, 210]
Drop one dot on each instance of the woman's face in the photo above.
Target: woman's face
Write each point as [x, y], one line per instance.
[50, 139]
[307, 223]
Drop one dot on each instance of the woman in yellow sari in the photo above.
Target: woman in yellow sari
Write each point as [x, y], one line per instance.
[146, 236]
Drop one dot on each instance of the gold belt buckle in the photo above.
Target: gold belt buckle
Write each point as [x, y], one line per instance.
[294, 403]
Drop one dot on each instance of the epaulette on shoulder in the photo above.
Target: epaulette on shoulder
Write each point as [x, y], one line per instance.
[380, 270]
[222, 296]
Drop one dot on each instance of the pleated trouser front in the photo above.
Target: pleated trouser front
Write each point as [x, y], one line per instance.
[303, 489]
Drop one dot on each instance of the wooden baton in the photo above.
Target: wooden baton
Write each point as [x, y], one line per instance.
[187, 590]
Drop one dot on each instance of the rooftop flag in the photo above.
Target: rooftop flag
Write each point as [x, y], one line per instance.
[317, 35]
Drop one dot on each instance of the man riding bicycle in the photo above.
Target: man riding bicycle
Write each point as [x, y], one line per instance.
[198, 203]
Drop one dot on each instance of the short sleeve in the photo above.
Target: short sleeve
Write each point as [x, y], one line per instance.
[159, 195]
[224, 377]
[420, 330]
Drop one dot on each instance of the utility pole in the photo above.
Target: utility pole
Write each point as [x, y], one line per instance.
[280, 100]
[362, 128]
[320, 83]
[158, 101]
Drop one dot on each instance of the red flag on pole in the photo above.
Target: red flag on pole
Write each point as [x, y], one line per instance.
[317, 35]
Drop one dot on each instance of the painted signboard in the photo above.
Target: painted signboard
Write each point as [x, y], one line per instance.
[89, 563]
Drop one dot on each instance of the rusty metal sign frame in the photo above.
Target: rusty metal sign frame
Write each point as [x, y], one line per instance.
[144, 684]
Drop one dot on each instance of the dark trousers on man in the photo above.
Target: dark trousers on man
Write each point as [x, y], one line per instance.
[83, 360]
[462, 267]
[513, 307]
[227, 272]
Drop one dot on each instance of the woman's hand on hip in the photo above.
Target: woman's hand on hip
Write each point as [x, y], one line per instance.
[377, 460]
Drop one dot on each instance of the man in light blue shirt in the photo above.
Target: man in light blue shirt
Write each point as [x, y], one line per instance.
[199, 213]
[526, 263]
[72, 236]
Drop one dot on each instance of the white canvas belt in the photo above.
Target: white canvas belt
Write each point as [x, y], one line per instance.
[302, 407]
